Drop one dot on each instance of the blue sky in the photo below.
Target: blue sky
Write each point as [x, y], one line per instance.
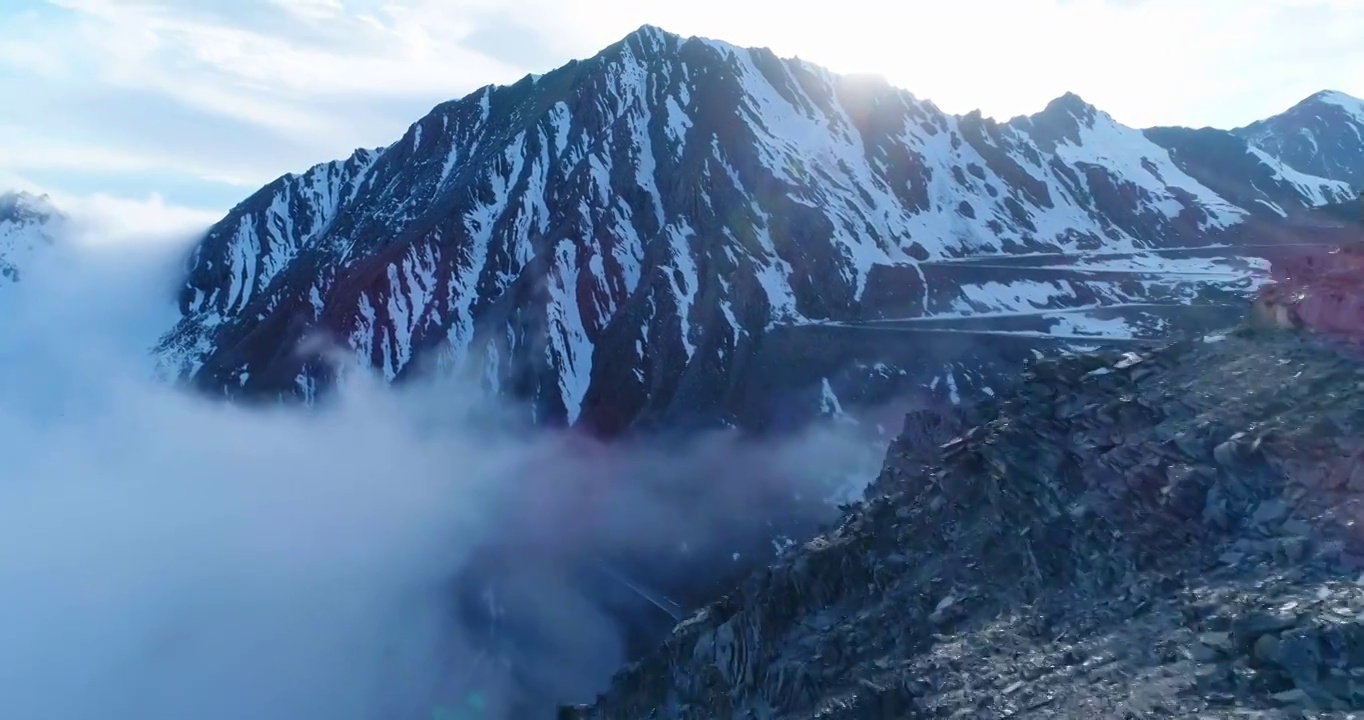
[174, 110]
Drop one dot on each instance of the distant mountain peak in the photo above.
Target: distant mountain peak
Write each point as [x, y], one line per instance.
[1322, 100]
[28, 223]
[1335, 96]
[652, 31]
[1063, 119]
[1349, 103]
[1322, 135]
[1071, 100]
[1073, 105]
[649, 36]
[651, 39]
[21, 204]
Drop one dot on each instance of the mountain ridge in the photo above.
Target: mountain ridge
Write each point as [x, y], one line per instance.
[667, 204]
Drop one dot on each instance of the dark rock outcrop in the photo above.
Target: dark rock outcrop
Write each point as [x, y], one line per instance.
[1168, 532]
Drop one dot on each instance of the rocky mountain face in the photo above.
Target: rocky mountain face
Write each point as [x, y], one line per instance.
[1322, 136]
[28, 223]
[681, 233]
[1164, 532]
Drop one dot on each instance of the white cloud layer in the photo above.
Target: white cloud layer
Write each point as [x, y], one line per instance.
[101, 219]
[165, 556]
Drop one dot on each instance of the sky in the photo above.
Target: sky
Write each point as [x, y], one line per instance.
[169, 112]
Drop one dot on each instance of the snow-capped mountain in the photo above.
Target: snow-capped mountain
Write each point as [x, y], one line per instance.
[681, 231]
[28, 224]
[1321, 136]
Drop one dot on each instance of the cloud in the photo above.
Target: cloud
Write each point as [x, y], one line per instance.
[107, 219]
[167, 556]
[99, 219]
[265, 64]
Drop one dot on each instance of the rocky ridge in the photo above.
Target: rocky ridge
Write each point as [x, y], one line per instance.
[663, 236]
[1168, 532]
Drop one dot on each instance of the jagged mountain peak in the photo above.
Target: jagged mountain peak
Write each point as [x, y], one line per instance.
[653, 36]
[647, 40]
[1330, 106]
[1065, 121]
[1331, 101]
[650, 43]
[360, 156]
[29, 222]
[652, 33]
[617, 238]
[1072, 104]
[1322, 135]
[1339, 99]
[25, 206]
[1071, 109]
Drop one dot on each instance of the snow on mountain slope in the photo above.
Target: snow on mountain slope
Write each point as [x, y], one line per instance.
[633, 239]
[1321, 136]
[28, 224]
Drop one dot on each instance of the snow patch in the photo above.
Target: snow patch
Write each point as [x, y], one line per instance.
[1314, 190]
[1127, 154]
[684, 279]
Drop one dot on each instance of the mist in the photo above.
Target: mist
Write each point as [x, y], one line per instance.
[383, 555]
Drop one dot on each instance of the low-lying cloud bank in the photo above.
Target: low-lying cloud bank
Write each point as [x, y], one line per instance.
[164, 556]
